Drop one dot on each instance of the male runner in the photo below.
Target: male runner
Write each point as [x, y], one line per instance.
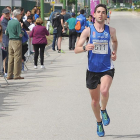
[102, 49]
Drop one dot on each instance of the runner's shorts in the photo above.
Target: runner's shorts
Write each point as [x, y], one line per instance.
[93, 78]
[59, 32]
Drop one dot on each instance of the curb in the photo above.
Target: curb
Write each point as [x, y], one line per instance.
[48, 47]
[136, 13]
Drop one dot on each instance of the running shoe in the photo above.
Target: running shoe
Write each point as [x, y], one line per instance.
[62, 51]
[105, 117]
[42, 67]
[100, 129]
[35, 67]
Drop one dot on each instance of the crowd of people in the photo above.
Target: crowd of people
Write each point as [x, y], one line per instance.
[59, 25]
[16, 29]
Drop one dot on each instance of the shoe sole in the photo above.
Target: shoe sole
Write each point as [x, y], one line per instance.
[103, 135]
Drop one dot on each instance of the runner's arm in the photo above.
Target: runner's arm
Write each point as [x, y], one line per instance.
[80, 43]
[114, 43]
[114, 39]
[62, 23]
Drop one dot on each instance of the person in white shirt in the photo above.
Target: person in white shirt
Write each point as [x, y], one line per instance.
[28, 13]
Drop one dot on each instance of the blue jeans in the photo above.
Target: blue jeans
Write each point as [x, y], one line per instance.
[54, 40]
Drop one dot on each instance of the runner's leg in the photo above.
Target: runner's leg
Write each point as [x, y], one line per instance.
[95, 96]
[59, 42]
[77, 39]
[104, 89]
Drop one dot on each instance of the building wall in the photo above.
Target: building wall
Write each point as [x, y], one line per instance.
[10, 2]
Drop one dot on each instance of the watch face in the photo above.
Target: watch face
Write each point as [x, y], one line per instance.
[83, 47]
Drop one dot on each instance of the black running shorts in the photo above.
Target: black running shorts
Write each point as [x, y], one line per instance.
[93, 78]
[59, 32]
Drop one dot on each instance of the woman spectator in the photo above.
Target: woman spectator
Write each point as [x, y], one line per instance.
[39, 41]
[4, 53]
[37, 14]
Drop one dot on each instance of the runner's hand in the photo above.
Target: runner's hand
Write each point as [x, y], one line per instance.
[89, 47]
[113, 56]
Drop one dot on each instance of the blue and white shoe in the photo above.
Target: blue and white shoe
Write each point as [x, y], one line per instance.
[5, 75]
[100, 129]
[105, 117]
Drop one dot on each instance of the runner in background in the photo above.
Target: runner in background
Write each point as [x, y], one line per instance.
[90, 20]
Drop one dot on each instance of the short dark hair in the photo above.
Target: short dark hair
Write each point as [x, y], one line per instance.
[100, 5]
[82, 11]
[21, 9]
[90, 16]
[63, 10]
[30, 17]
[28, 11]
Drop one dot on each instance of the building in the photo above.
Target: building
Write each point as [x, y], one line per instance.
[11, 3]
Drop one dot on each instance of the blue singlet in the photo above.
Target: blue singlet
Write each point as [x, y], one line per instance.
[99, 59]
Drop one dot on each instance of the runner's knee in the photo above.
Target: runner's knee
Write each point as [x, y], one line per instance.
[94, 102]
[104, 92]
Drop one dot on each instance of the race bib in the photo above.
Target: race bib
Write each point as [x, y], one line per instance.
[100, 48]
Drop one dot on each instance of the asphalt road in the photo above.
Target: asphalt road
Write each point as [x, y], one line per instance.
[54, 104]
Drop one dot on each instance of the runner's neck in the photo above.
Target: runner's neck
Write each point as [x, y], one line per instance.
[99, 26]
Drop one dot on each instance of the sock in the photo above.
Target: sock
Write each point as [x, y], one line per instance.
[99, 122]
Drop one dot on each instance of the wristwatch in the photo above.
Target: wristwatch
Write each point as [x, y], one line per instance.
[84, 48]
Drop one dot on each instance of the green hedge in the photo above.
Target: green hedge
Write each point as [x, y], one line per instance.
[122, 9]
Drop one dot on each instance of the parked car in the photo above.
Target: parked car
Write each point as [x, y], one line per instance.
[49, 22]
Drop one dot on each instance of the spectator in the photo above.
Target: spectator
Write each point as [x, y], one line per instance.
[72, 31]
[9, 8]
[22, 11]
[39, 33]
[24, 47]
[5, 38]
[60, 29]
[21, 20]
[15, 46]
[4, 53]
[37, 14]
[29, 20]
[34, 10]
[82, 20]
[55, 24]
[28, 13]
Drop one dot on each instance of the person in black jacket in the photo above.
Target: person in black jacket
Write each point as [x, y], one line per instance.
[55, 25]
[5, 38]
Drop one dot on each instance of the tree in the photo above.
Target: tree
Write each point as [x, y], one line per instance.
[69, 2]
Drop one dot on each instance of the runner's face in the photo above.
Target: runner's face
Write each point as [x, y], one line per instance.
[100, 15]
